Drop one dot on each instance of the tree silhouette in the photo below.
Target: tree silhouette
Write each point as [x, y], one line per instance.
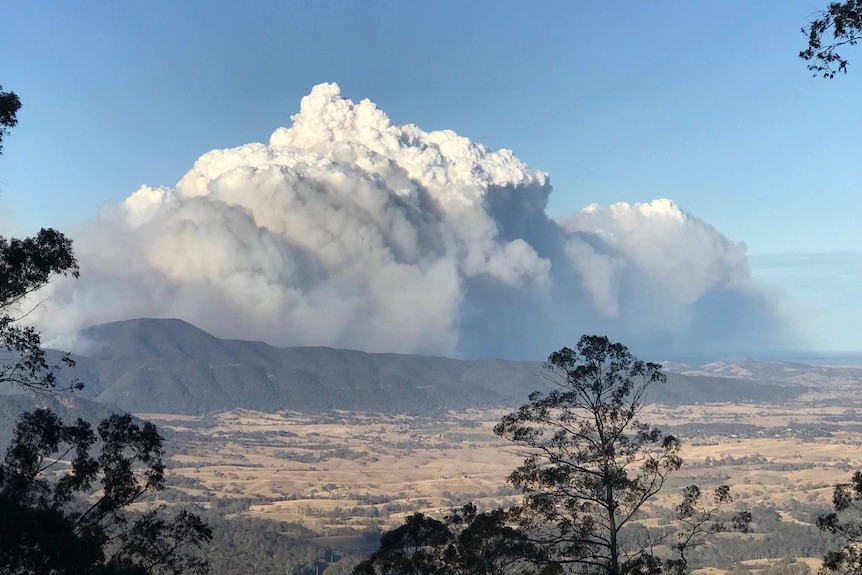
[9, 106]
[27, 265]
[63, 510]
[591, 465]
[466, 542]
[845, 522]
[55, 521]
[838, 26]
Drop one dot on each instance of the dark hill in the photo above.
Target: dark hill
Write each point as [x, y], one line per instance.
[170, 366]
[144, 339]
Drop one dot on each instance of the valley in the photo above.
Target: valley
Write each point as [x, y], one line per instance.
[341, 473]
[302, 457]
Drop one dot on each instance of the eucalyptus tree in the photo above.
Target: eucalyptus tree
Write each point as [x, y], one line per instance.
[591, 465]
[9, 106]
[27, 265]
[465, 542]
[64, 508]
[846, 522]
[836, 27]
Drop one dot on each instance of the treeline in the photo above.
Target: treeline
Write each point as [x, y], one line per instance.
[271, 547]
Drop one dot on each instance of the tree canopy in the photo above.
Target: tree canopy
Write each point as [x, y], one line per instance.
[591, 465]
[26, 265]
[838, 26]
[64, 510]
[466, 542]
[54, 522]
[845, 522]
[9, 106]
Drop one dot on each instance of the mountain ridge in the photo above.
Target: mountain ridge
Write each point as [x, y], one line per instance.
[153, 365]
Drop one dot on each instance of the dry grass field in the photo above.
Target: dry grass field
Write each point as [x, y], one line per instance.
[342, 469]
[360, 470]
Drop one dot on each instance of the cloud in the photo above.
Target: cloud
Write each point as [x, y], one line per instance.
[346, 230]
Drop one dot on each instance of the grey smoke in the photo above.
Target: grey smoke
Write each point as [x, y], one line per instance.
[349, 231]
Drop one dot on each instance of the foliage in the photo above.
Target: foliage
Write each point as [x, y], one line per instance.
[246, 545]
[27, 265]
[52, 519]
[698, 519]
[9, 106]
[844, 521]
[52, 522]
[839, 25]
[591, 464]
[415, 548]
[465, 542]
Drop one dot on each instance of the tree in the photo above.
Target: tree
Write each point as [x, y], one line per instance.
[591, 464]
[486, 544]
[466, 542]
[699, 518]
[52, 522]
[415, 548]
[27, 265]
[839, 25]
[844, 521]
[9, 106]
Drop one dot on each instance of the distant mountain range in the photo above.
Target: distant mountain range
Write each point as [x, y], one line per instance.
[170, 366]
[836, 376]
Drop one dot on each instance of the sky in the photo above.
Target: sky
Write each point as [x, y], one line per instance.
[705, 104]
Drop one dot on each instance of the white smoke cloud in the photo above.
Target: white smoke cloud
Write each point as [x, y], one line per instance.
[676, 254]
[349, 231]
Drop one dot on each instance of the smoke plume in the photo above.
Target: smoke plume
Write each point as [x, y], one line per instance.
[348, 231]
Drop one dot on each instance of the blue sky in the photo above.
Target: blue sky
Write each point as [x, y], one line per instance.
[703, 103]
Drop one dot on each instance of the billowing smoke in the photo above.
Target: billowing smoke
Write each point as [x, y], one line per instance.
[349, 231]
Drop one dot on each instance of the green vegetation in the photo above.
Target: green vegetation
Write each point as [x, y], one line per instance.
[591, 464]
[62, 509]
[838, 26]
[465, 542]
[845, 522]
[54, 522]
[9, 106]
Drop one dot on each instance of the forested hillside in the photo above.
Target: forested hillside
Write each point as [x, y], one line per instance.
[170, 366]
